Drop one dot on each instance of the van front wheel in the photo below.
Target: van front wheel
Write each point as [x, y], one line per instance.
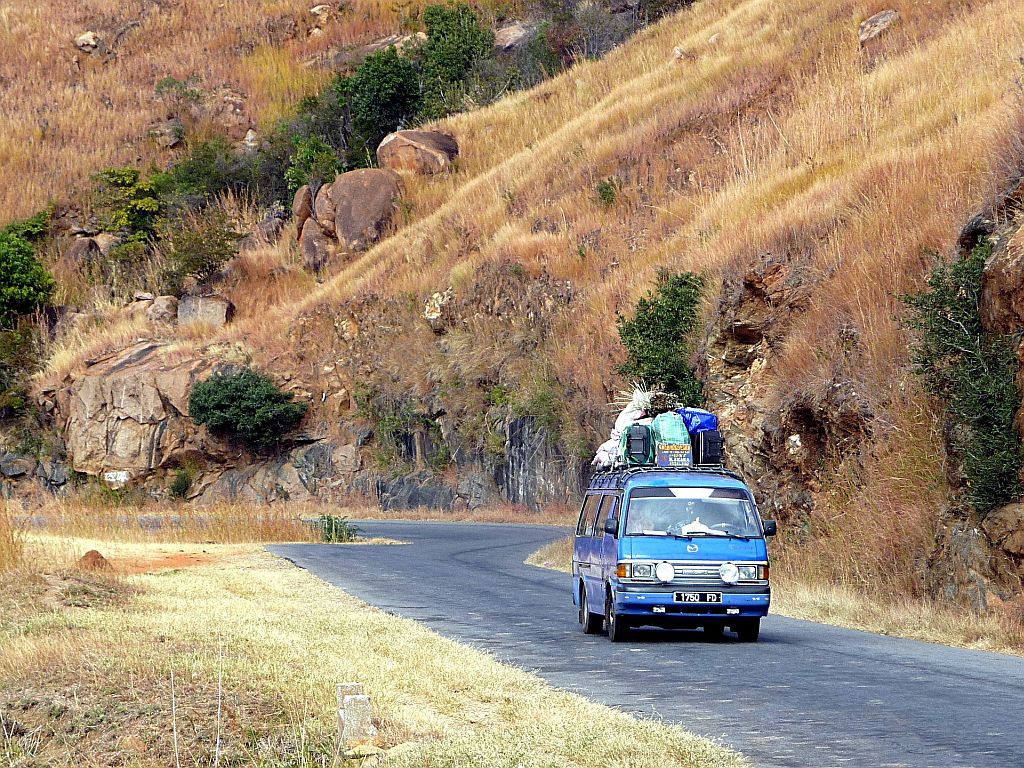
[748, 631]
[591, 621]
[616, 625]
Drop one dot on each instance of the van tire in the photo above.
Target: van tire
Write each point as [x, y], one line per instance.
[591, 621]
[748, 631]
[618, 628]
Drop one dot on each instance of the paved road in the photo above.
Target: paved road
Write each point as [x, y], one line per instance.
[804, 695]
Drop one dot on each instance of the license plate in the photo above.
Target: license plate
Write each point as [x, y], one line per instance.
[698, 597]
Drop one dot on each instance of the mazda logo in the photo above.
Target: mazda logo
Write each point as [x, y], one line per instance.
[691, 547]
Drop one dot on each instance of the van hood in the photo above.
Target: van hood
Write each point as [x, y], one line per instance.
[707, 548]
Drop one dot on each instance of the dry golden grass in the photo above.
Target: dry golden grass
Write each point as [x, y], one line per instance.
[68, 114]
[225, 523]
[271, 641]
[11, 544]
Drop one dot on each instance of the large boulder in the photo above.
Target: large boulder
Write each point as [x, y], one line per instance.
[164, 309]
[323, 209]
[211, 310]
[364, 203]
[82, 251]
[316, 248]
[511, 37]
[422, 152]
[302, 207]
[1005, 528]
[129, 413]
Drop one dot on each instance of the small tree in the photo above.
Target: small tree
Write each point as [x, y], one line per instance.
[456, 43]
[130, 203]
[384, 94]
[658, 337]
[199, 245]
[246, 405]
[314, 162]
[24, 282]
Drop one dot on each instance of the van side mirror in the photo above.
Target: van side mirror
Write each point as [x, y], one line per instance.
[611, 525]
[770, 528]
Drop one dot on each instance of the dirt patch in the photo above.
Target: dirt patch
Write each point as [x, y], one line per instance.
[163, 562]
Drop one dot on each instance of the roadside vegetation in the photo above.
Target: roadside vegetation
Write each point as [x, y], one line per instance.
[228, 655]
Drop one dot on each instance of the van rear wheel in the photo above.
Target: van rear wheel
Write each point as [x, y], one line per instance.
[748, 631]
[591, 621]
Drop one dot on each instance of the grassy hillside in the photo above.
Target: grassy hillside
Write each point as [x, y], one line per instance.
[812, 179]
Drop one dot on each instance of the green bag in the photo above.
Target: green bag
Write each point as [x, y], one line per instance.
[672, 446]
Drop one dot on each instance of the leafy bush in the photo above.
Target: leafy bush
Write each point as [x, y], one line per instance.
[18, 357]
[974, 374]
[24, 283]
[181, 483]
[246, 405]
[130, 203]
[658, 337]
[210, 168]
[199, 245]
[314, 163]
[336, 530]
[456, 44]
[32, 228]
[384, 94]
[608, 191]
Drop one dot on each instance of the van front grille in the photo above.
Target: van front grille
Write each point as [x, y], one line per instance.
[703, 573]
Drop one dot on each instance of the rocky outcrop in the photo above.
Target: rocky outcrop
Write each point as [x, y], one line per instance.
[129, 412]
[316, 248]
[511, 37]
[873, 27]
[163, 309]
[365, 201]
[422, 152]
[213, 310]
[345, 216]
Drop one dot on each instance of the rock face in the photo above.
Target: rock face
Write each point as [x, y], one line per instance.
[82, 251]
[316, 247]
[1005, 528]
[323, 209]
[365, 202]
[1002, 298]
[210, 310]
[511, 37]
[874, 26]
[164, 309]
[302, 208]
[130, 412]
[423, 152]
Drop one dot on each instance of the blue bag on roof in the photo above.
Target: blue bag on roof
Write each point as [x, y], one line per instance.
[698, 420]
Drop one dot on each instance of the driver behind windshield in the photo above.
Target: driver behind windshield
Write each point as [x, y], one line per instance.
[673, 515]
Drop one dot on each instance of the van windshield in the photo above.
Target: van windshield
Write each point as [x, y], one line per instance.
[690, 512]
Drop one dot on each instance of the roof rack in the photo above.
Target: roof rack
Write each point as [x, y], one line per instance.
[613, 478]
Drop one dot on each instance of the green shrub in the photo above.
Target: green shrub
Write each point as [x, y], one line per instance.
[25, 284]
[456, 44]
[314, 162]
[18, 358]
[30, 229]
[658, 338]
[336, 530]
[384, 94]
[208, 169]
[198, 246]
[246, 405]
[974, 374]
[608, 191]
[129, 202]
[181, 483]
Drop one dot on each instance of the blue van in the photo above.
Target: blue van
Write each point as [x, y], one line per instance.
[671, 548]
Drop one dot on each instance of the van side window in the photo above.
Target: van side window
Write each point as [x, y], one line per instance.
[586, 524]
[606, 509]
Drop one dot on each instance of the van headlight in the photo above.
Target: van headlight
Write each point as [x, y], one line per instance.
[747, 572]
[643, 570]
[729, 573]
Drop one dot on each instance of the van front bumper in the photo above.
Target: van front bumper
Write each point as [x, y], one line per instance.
[660, 602]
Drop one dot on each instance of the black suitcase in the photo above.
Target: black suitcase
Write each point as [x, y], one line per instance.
[708, 448]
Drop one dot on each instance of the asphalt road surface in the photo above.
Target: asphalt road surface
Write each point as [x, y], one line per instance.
[804, 695]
